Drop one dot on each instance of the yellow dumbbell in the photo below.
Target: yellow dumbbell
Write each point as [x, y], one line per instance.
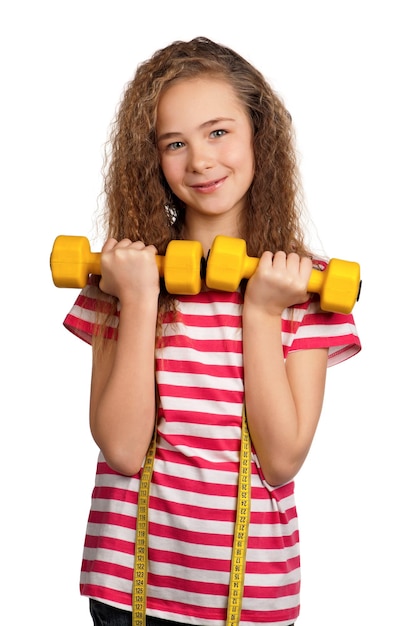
[338, 285]
[72, 261]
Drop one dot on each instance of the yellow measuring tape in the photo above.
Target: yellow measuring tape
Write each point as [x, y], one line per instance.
[238, 559]
[142, 527]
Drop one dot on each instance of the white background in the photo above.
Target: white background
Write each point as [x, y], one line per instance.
[346, 71]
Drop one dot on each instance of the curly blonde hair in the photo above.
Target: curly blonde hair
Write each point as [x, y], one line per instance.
[139, 202]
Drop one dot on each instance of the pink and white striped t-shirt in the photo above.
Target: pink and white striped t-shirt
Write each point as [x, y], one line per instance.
[194, 485]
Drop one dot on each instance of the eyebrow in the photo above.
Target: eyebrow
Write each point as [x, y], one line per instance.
[207, 124]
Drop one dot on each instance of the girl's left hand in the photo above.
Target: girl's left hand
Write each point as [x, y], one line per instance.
[280, 281]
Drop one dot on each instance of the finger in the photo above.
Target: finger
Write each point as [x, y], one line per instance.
[138, 245]
[280, 259]
[152, 248]
[109, 244]
[124, 243]
[293, 262]
[306, 265]
[265, 260]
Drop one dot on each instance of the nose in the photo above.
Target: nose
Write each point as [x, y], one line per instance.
[200, 157]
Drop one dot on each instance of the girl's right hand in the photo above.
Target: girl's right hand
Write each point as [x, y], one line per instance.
[129, 269]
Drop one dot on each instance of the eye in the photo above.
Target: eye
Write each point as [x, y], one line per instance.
[175, 145]
[219, 133]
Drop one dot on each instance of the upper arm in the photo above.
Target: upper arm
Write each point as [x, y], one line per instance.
[306, 372]
[102, 364]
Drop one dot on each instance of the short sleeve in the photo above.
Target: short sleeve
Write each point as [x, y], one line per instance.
[308, 327]
[91, 309]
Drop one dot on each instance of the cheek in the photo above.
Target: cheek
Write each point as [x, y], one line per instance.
[245, 163]
[171, 171]
[243, 155]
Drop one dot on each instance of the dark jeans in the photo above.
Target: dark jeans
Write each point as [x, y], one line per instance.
[106, 615]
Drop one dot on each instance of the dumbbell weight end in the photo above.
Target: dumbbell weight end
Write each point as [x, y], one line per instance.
[338, 285]
[71, 261]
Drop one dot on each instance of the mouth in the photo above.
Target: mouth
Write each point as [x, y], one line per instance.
[209, 186]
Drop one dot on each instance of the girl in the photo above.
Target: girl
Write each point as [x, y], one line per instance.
[201, 146]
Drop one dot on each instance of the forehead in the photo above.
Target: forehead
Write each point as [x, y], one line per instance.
[198, 100]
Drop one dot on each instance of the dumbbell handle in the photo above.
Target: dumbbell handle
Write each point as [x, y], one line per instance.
[71, 261]
[92, 264]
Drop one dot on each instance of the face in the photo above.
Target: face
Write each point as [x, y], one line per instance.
[205, 143]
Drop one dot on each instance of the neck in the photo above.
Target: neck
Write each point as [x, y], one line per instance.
[206, 229]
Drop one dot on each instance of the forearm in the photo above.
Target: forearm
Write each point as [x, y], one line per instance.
[271, 411]
[123, 394]
[282, 407]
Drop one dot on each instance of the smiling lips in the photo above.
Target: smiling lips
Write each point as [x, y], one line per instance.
[210, 186]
